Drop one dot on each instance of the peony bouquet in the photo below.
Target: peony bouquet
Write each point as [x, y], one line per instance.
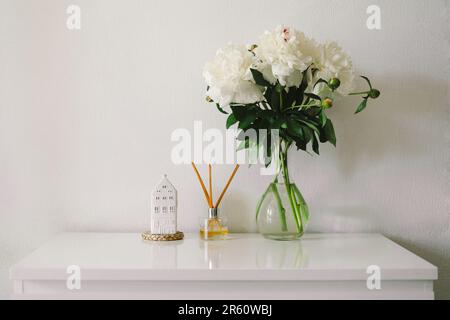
[285, 82]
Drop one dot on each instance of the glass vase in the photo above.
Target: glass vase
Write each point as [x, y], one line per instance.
[282, 212]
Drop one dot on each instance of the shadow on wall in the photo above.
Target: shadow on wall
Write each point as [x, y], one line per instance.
[342, 219]
[399, 125]
[411, 110]
[239, 212]
[439, 259]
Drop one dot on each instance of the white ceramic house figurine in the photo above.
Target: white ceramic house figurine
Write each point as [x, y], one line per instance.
[164, 208]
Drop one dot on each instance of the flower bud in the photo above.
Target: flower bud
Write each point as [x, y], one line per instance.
[374, 93]
[327, 103]
[334, 83]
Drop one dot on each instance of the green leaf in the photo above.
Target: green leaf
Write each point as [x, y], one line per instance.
[313, 111]
[259, 78]
[280, 125]
[315, 145]
[291, 95]
[247, 120]
[245, 144]
[270, 119]
[322, 118]
[368, 81]
[320, 81]
[240, 111]
[304, 82]
[220, 109]
[312, 96]
[259, 124]
[295, 128]
[300, 145]
[310, 125]
[322, 137]
[265, 142]
[231, 120]
[268, 95]
[301, 89]
[361, 106]
[266, 114]
[308, 134]
[328, 130]
[275, 100]
[241, 135]
[245, 115]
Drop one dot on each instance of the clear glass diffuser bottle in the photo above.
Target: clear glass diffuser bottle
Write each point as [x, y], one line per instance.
[213, 227]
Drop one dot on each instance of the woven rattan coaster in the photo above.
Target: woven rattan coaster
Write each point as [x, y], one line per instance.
[147, 235]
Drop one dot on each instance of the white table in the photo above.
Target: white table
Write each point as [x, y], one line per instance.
[319, 266]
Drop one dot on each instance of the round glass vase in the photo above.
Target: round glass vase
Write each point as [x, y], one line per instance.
[282, 213]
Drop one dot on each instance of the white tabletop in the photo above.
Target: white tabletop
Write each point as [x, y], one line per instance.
[124, 256]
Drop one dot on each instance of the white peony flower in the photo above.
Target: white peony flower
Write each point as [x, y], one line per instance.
[334, 62]
[284, 54]
[229, 77]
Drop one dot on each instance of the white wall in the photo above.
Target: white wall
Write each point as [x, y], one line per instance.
[86, 118]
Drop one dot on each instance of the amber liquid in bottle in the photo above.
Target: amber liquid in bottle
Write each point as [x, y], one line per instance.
[213, 228]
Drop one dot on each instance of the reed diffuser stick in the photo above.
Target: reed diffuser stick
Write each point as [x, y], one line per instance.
[226, 186]
[208, 199]
[210, 184]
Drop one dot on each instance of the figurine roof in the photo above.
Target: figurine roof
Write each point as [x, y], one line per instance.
[165, 181]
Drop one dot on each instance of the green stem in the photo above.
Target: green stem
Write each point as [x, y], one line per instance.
[298, 212]
[291, 196]
[303, 105]
[304, 213]
[281, 209]
[358, 93]
[279, 203]
[260, 202]
[299, 195]
[281, 101]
